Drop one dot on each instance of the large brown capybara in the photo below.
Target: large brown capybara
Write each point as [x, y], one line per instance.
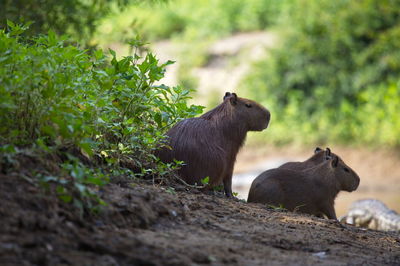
[208, 144]
[311, 191]
[318, 157]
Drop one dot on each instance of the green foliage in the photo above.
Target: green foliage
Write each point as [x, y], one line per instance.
[194, 25]
[219, 188]
[193, 20]
[337, 62]
[77, 184]
[277, 208]
[77, 18]
[376, 119]
[205, 181]
[55, 96]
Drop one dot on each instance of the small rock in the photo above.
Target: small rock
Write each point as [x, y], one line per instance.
[320, 255]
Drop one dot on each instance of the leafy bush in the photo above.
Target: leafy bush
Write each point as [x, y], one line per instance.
[58, 97]
[337, 58]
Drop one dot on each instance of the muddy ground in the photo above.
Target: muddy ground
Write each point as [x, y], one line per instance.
[145, 224]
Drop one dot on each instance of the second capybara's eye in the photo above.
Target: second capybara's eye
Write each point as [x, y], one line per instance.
[248, 105]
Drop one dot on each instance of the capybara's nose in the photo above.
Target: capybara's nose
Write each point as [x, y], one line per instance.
[356, 183]
[268, 119]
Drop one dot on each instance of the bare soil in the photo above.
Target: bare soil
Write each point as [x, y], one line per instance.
[145, 224]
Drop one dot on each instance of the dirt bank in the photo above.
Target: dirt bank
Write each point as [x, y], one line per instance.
[154, 225]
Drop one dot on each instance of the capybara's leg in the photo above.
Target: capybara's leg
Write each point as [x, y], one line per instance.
[329, 211]
[228, 187]
[227, 180]
[228, 184]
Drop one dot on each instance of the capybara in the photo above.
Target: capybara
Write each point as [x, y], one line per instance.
[311, 191]
[208, 144]
[318, 157]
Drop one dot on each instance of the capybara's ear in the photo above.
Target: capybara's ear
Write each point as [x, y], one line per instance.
[328, 154]
[233, 99]
[335, 162]
[317, 149]
[227, 94]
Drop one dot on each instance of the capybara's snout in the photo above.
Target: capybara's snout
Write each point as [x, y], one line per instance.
[268, 119]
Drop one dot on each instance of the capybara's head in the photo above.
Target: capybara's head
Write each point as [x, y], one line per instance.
[346, 178]
[248, 112]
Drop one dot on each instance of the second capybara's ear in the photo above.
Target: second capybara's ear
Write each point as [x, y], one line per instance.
[233, 99]
[227, 94]
[317, 149]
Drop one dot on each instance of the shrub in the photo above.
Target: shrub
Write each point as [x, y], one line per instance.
[56, 97]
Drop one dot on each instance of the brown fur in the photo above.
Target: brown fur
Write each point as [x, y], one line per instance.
[208, 144]
[318, 157]
[311, 191]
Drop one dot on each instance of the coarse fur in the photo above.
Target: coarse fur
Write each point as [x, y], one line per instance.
[311, 191]
[208, 144]
[318, 157]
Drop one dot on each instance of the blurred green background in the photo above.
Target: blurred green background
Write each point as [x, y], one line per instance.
[332, 74]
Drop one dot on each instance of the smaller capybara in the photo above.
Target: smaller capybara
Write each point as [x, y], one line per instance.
[208, 144]
[318, 157]
[311, 190]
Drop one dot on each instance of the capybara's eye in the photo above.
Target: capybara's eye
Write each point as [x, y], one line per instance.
[248, 105]
[346, 170]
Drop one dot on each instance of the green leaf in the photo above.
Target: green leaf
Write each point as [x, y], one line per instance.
[158, 119]
[205, 181]
[65, 197]
[10, 23]
[52, 41]
[98, 54]
[8, 148]
[169, 62]
[112, 52]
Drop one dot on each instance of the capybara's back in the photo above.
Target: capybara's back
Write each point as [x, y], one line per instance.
[283, 188]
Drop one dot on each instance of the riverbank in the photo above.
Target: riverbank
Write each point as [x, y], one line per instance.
[146, 224]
